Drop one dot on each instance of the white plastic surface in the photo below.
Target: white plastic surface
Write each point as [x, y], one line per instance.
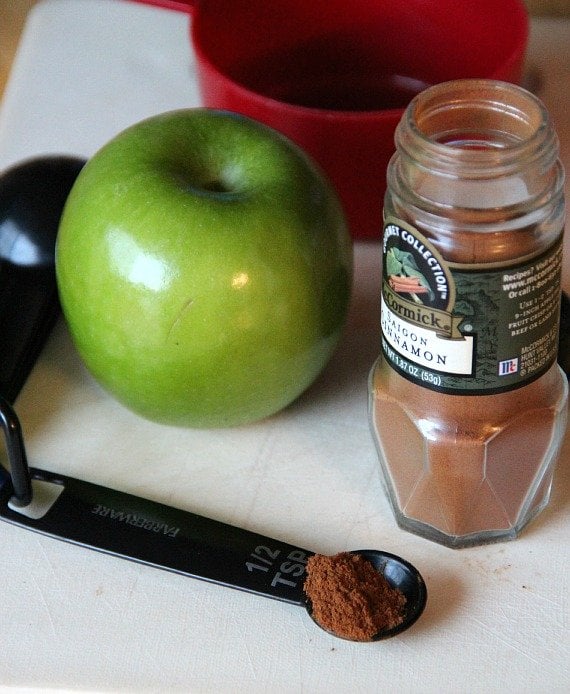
[497, 617]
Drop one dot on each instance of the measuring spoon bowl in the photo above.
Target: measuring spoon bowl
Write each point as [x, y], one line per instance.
[402, 576]
[32, 197]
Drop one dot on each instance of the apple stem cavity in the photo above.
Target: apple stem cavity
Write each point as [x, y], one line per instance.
[216, 186]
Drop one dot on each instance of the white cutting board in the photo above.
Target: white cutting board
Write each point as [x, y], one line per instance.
[497, 616]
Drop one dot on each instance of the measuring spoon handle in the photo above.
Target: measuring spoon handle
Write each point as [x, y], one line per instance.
[144, 531]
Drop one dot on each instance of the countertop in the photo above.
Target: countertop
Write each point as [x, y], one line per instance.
[497, 617]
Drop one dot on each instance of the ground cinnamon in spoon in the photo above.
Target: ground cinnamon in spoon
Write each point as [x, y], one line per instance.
[350, 598]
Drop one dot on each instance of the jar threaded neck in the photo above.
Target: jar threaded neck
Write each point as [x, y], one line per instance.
[477, 129]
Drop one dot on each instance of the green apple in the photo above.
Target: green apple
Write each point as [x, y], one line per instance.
[204, 268]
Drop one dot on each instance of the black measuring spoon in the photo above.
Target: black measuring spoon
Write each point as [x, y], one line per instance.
[32, 196]
[564, 335]
[151, 533]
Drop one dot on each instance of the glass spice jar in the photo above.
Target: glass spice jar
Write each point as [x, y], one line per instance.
[467, 402]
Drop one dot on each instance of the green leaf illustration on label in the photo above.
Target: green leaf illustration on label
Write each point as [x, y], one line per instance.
[405, 277]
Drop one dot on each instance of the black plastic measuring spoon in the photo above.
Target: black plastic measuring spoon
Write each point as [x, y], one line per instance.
[32, 196]
[564, 335]
[151, 533]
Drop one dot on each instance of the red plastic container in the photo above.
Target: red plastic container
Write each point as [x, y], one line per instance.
[335, 75]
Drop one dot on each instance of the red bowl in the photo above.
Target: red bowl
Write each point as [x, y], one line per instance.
[335, 76]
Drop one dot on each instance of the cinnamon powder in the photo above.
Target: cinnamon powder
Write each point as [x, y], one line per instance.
[475, 476]
[350, 598]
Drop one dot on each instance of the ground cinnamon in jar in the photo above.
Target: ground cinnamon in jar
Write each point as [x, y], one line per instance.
[467, 403]
[350, 598]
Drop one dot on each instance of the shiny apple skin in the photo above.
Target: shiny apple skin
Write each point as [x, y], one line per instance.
[204, 268]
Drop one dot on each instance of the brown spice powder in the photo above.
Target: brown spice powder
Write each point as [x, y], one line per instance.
[350, 598]
[477, 474]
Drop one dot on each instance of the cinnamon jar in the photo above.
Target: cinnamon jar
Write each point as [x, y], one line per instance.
[467, 402]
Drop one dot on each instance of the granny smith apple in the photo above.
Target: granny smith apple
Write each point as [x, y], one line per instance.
[204, 268]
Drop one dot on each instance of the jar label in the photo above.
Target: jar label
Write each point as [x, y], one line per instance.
[467, 329]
